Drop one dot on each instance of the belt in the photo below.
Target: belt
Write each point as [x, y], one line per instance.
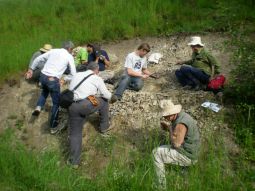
[51, 78]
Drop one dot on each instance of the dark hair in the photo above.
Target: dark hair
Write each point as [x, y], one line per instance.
[144, 46]
[90, 45]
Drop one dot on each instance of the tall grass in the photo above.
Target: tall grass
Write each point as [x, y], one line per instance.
[26, 25]
[25, 170]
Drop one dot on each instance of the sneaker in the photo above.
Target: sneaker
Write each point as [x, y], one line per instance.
[37, 111]
[54, 130]
[106, 130]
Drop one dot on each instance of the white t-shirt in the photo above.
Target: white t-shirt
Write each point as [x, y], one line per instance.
[135, 62]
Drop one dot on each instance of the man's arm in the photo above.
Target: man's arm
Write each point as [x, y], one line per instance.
[214, 65]
[146, 71]
[178, 135]
[72, 66]
[136, 74]
[103, 90]
[42, 58]
[106, 59]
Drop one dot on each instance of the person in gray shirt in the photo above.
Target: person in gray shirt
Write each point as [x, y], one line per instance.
[39, 67]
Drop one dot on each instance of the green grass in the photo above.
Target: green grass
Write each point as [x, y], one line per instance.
[26, 25]
[29, 170]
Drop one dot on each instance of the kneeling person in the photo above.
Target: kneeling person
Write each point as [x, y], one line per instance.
[184, 138]
[85, 104]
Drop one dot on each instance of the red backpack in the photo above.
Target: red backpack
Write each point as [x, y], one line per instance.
[217, 82]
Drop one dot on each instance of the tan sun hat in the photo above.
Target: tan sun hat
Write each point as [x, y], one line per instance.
[46, 48]
[168, 108]
[195, 40]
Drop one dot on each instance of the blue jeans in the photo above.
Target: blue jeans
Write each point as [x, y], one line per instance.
[50, 85]
[188, 75]
[128, 82]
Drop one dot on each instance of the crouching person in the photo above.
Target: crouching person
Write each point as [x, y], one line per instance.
[184, 139]
[85, 104]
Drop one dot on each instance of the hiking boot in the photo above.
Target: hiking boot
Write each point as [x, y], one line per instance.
[106, 130]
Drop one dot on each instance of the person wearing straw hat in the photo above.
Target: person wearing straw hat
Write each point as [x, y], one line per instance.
[56, 62]
[39, 67]
[184, 139]
[197, 72]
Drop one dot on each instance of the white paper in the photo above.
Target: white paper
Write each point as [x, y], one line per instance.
[213, 106]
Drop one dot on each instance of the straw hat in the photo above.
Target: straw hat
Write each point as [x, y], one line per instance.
[46, 48]
[195, 40]
[168, 108]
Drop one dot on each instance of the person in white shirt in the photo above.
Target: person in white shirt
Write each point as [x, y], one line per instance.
[86, 102]
[135, 71]
[56, 62]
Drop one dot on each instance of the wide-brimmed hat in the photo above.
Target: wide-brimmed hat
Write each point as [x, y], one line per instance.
[168, 108]
[46, 48]
[195, 40]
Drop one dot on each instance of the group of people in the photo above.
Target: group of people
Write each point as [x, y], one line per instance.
[92, 95]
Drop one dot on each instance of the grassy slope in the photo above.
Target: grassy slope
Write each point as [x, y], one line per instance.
[26, 25]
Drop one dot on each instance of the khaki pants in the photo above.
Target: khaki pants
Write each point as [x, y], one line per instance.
[165, 155]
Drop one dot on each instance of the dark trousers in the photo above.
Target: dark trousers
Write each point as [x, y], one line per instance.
[78, 112]
[188, 75]
[36, 74]
[128, 82]
[50, 85]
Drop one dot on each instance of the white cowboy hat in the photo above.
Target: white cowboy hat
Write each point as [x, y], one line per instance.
[155, 57]
[168, 108]
[195, 40]
[46, 48]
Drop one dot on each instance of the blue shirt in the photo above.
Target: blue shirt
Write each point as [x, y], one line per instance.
[92, 57]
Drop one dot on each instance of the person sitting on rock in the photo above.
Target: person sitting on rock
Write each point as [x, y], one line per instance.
[86, 103]
[198, 71]
[100, 56]
[135, 71]
[36, 73]
[184, 140]
[56, 62]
